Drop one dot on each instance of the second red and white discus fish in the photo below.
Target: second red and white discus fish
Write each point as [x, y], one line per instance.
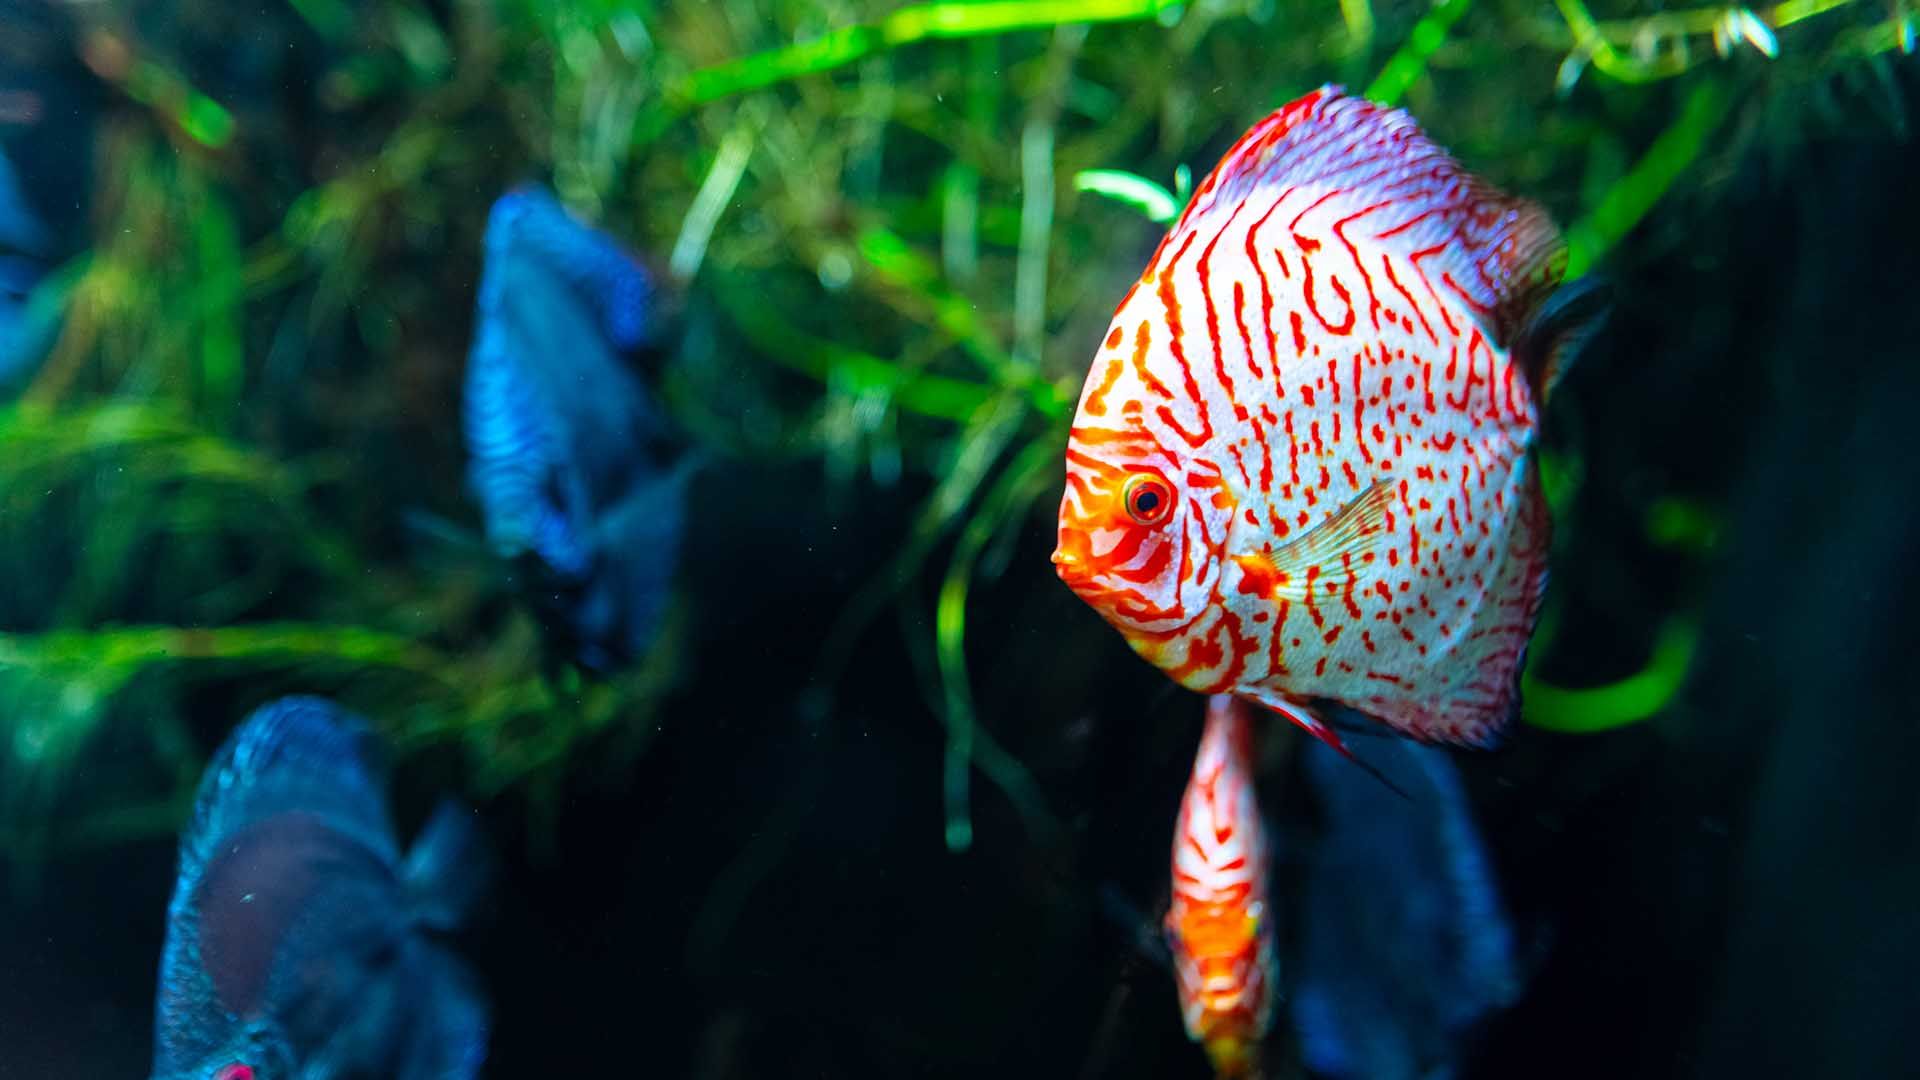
[1221, 935]
[1299, 469]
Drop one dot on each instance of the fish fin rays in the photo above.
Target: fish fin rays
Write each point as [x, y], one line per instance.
[1498, 253]
[1470, 692]
[1345, 543]
[1523, 258]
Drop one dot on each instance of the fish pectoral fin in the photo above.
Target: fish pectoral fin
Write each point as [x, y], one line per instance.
[1346, 543]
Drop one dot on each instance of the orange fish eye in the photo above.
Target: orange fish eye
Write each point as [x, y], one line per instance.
[1147, 498]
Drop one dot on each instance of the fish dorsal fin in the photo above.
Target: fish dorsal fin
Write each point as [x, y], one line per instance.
[1372, 169]
[295, 755]
[529, 224]
[1346, 543]
[447, 869]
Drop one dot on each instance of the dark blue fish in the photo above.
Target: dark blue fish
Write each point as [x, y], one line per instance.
[569, 459]
[1403, 943]
[300, 943]
[29, 315]
[48, 102]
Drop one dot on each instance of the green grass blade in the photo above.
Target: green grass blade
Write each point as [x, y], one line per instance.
[1631, 700]
[907, 26]
[1409, 62]
[1629, 200]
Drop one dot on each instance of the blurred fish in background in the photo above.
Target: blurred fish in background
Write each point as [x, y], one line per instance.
[299, 941]
[569, 456]
[48, 105]
[1403, 942]
[1219, 927]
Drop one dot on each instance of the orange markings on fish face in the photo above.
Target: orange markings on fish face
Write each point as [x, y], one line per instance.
[1132, 530]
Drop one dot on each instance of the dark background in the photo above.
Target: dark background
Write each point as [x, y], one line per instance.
[1731, 889]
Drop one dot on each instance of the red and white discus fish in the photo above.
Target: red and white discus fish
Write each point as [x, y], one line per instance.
[1223, 943]
[1299, 469]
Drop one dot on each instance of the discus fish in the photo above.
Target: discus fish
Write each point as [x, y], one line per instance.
[1403, 943]
[299, 942]
[48, 105]
[1298, 472]
[1218, 925]
[566, 444]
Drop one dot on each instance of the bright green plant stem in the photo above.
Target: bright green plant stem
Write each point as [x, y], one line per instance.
[1631, 700]
[1153, 202]
[968, 744]
[907, 26]
[1634, 194]
[1409, 62]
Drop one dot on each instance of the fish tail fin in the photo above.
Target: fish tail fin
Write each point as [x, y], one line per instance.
[452, 1043]
[1516, 250]
[1557, 330]
[296, 754]
[448, 868]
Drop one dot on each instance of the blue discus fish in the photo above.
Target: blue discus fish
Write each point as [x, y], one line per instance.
[569, 461]
[1404, 942]
[48, 104]
[300, 944]
[29, 247]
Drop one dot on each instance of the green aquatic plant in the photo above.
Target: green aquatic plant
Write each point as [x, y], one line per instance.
[898, 228]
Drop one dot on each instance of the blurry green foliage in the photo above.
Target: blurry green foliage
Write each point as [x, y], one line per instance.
[877, 213]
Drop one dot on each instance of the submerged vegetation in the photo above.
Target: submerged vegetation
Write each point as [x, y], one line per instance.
[896, 231]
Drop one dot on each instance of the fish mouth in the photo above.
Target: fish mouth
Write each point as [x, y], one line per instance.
[1068, 566]
[1075, 573]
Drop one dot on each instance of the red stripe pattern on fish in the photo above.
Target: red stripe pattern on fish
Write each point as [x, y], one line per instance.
[1299, 468]
[1223, 942]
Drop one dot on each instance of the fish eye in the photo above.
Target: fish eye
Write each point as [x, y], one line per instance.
[235, 1071]
[1147, 498]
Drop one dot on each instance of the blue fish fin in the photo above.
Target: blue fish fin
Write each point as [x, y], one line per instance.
[448, 868]
[451, 1043]
[446, 532]
[1492, 964]
[636, 542]
[528, 222]
[296, 754]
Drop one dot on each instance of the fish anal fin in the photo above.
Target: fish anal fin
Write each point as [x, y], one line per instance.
[1305, 718]
[1301, 716]
[1346, 543]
